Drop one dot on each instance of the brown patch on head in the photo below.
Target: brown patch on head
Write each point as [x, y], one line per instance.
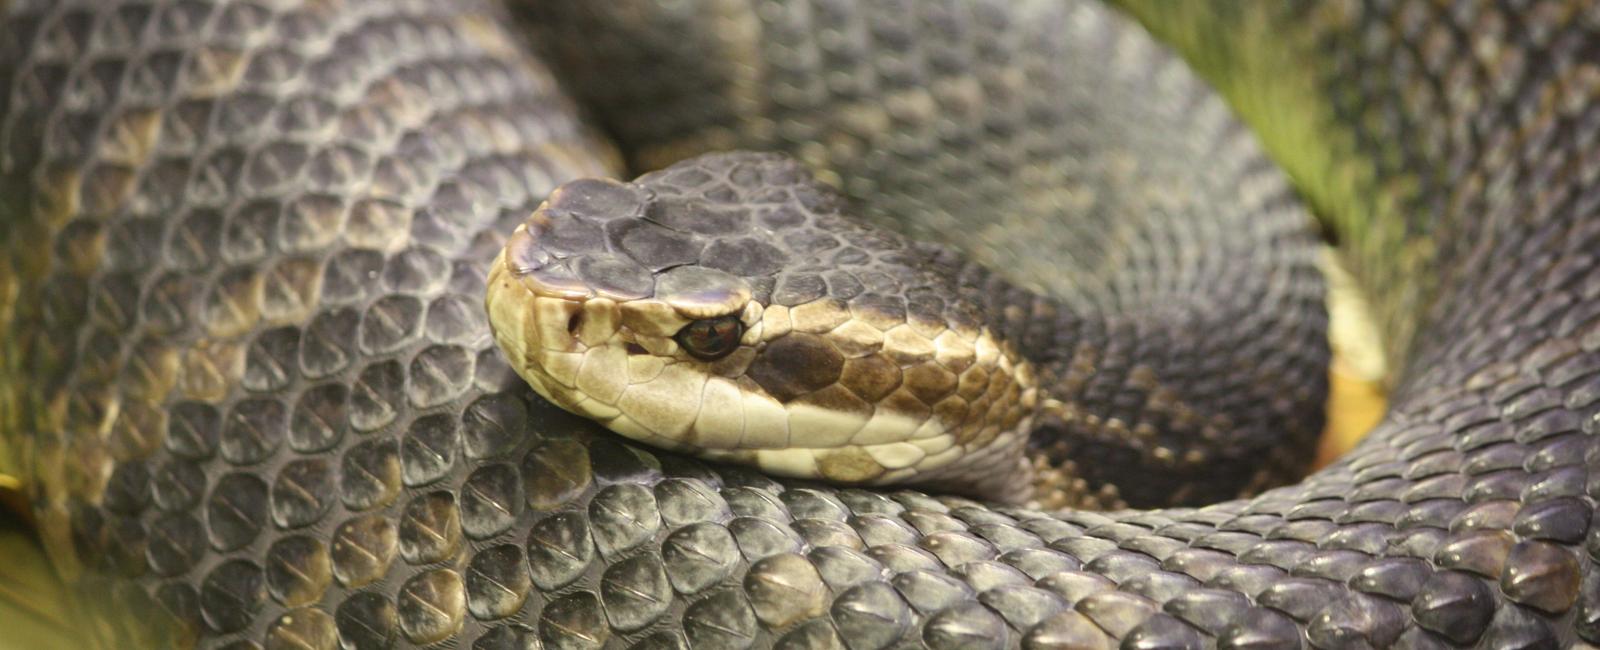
[955, 410]
[973, 384]
[837, 399]
[795, 365]
[902, 402]
[871, 377]
[930, 382]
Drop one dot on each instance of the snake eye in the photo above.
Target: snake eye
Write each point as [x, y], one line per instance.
[712, 338]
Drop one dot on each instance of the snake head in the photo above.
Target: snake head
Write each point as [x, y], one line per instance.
[724, 307]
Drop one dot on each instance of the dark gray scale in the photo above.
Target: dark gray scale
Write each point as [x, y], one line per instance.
[246, 240]
[1163, 327]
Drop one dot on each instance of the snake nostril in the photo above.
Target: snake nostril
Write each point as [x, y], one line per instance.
[574, 323]
[635, 348]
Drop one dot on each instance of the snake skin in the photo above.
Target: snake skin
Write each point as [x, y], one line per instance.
[1118, 225]
[248, 375]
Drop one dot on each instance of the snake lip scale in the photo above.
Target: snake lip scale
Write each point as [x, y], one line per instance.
[314, 314]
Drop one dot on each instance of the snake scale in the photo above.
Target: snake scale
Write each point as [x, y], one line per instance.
[251, 386]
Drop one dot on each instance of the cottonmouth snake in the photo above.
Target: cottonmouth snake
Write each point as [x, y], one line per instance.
[251, 385]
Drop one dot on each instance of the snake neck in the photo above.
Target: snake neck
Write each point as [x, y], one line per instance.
[1116, 398]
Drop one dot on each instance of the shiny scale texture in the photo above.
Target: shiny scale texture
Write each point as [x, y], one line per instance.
[246, 363]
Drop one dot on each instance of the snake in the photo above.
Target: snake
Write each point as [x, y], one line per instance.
[1001, 321]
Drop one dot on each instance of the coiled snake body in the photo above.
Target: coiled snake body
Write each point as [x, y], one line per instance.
[250, 381]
